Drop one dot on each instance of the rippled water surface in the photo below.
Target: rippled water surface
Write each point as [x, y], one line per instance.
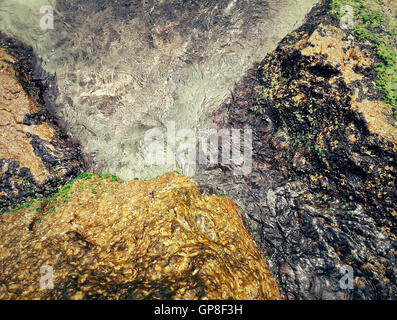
[124, 67]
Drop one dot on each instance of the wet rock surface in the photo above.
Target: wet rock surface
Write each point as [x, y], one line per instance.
[156, 239]
[36, 157]
[321, 194]
[322, 191]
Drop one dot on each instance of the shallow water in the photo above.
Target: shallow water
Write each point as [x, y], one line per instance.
[124, 67]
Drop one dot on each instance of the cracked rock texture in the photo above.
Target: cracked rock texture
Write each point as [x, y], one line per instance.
[156, 239]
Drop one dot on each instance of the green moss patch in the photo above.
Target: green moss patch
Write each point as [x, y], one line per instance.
[376, 21]
[67, 192]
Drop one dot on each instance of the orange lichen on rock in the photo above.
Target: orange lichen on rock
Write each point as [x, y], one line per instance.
[337, 51]
[15, 103]
[140, 239]
[378, 117]
[329, 46]
[345, 56]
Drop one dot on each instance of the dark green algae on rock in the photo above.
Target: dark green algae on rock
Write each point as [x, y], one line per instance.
[340, 135]
[336, 134]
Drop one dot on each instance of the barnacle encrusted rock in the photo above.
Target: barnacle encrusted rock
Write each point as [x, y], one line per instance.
[156, 239]
[35, 157]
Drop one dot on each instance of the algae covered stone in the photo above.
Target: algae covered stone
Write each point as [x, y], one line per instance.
[320, 84]
[156, 239]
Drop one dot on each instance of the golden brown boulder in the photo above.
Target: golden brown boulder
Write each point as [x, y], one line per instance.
[142, 239]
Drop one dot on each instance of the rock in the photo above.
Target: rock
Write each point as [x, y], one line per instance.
[320, 86]
[315, 210]
[157, 239]
[35, 156]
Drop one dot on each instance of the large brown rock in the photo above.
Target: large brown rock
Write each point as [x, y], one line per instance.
[35, 156]
[142, 239]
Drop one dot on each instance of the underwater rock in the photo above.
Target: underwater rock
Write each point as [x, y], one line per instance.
[156, 239]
